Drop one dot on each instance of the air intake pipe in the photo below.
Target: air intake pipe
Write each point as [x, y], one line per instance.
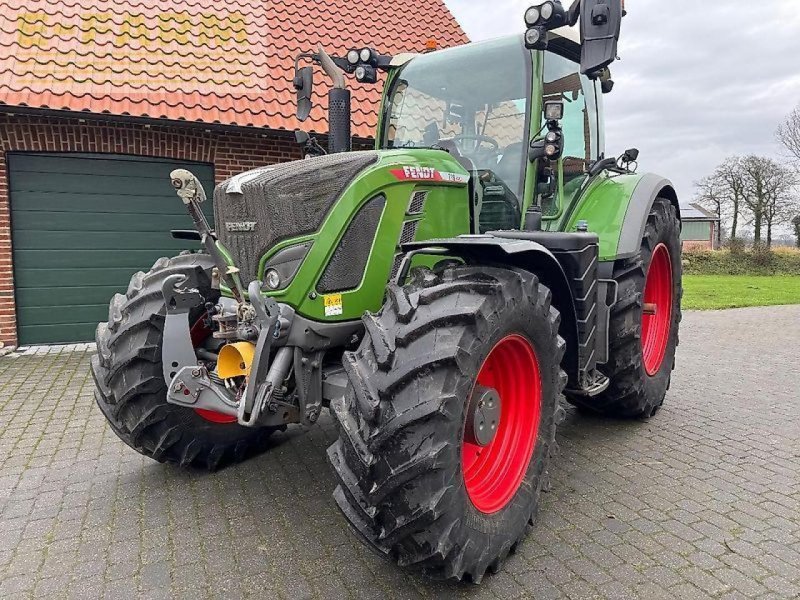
[339, 138]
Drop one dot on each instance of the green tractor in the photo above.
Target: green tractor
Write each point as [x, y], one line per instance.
[440, 295]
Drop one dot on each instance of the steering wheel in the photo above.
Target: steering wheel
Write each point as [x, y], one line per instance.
[477, 140]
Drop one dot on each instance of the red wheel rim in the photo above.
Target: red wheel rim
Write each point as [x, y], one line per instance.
[493, 473]
[199, 332]
[657, 310]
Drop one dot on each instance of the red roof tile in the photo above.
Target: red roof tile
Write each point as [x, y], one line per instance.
[212, 61]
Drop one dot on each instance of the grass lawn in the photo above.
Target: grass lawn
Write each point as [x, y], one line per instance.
[712, 292]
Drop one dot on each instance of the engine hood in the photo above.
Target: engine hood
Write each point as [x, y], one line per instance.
[256, 209]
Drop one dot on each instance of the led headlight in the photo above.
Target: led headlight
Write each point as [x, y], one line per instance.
[366, 74]
[532, 36]
[352, 57]
[532, 16]
[366, 55]
[546, 10]
[551, 150]
[273, 279]
[551, 137]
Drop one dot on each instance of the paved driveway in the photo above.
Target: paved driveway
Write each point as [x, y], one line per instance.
[704, 500]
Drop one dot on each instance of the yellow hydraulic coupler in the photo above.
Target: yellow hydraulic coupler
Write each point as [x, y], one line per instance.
[235, 360]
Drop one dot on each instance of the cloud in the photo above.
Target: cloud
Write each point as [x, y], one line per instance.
[698, 80]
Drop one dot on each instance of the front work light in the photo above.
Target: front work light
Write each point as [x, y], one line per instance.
[553, 111]
[532, 16]
[366, 74]
[546, 10]
[366, 55]
[536, 38]
[353, 57]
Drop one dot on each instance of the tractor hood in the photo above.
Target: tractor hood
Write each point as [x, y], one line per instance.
[256, 209]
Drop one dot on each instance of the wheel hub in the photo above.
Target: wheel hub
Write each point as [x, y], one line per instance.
[483, 416]
[495, 458]
[657, 310]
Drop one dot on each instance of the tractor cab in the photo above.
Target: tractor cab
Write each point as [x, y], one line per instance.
[472, 102]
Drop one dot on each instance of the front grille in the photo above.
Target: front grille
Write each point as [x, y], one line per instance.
[280, 202]
[346, 267]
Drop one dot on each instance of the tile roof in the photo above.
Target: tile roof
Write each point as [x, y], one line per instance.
[212, 61]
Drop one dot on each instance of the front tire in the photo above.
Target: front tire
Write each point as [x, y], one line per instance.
[411, 482]
[131, 391]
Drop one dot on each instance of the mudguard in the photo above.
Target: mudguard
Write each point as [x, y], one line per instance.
[616, 208]
[535, 258]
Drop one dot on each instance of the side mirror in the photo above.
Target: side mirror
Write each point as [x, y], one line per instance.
[601, 21]
[304, 84]
[301, 137]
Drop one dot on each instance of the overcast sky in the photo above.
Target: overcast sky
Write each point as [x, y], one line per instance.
[699, 80]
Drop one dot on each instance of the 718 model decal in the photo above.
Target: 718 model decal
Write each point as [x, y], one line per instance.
[409, 173]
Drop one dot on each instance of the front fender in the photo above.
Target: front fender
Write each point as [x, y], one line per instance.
[616, 209]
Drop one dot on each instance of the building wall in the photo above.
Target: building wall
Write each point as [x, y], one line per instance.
[699, 235]
[230, 152]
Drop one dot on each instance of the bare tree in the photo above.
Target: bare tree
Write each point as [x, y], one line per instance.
[789, 134]
[730, 180]
[712, 194]
[768, 195]
[796, 225]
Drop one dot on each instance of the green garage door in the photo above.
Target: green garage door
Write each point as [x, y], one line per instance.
[81, 226]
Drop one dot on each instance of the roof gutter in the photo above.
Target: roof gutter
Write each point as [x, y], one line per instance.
[9, 110]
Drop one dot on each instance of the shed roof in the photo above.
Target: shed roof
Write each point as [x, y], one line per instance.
[209, 61]
[695, 212]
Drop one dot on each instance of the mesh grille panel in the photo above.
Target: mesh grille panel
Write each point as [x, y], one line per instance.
[417, 204]
[409, 232]
[346, 268]
[398, 260]
[283, 201]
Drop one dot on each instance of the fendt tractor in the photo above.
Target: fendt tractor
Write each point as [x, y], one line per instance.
[441, 294]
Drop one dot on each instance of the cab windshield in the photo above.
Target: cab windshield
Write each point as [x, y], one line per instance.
[473, 102]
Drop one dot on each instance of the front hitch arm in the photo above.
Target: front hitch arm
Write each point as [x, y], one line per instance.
[191, 192]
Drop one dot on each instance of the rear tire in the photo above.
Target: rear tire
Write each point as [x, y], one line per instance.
[131, 391]
[639, 378]
[400, 453]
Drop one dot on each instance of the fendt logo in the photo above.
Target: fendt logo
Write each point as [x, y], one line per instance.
[241, 226]
[414, 173]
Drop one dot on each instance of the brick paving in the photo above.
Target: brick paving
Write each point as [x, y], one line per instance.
[702, 501]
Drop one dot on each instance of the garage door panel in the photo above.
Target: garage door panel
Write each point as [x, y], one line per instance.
[95, 165]
[63, 314]
[35, 297]
[99, 240]
[64, 259]
[81, 223]
[122, 185]
[81, 226]
[105, 203]
[50, 334]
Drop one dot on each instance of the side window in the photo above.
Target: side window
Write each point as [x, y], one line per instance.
[563, 82]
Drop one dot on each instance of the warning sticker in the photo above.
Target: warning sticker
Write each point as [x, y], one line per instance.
[333, 305]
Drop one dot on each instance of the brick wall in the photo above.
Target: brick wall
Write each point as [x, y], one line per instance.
[230, 152]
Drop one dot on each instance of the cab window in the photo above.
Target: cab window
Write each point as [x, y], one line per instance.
[563, 82]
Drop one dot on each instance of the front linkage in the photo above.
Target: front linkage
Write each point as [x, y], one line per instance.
[261, 342]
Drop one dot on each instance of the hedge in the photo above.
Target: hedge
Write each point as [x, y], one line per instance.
[784, 261]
